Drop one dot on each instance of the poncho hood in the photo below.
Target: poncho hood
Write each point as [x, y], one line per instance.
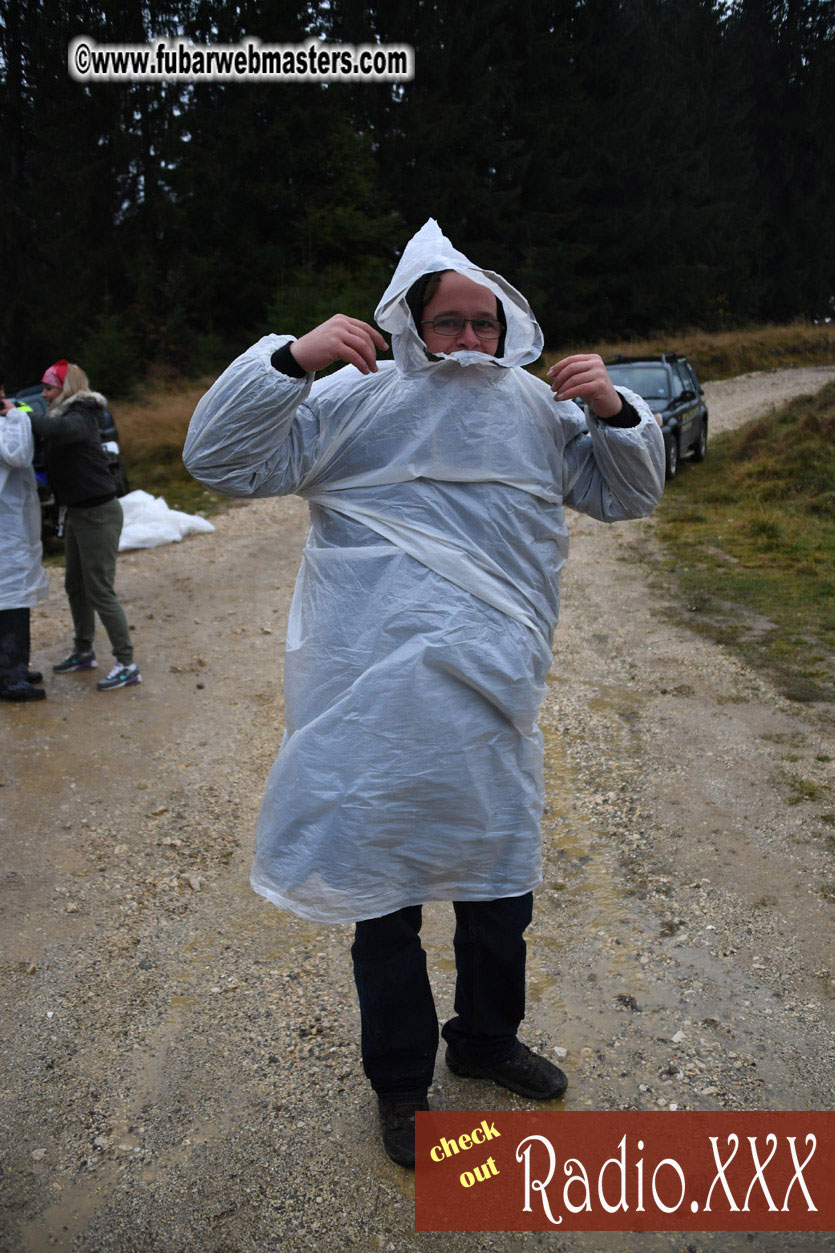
[430, 250]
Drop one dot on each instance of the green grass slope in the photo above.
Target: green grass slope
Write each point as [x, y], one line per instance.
[751, 535]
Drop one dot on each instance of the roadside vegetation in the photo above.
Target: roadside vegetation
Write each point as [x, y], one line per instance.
[751, 538]
[152, 431]
[727, 353]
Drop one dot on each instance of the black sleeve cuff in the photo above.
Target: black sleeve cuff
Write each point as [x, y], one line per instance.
[284, 361]
[626, 418]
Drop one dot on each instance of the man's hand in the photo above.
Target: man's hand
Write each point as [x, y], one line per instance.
[339, 339]
[5, 405]
[585, 375]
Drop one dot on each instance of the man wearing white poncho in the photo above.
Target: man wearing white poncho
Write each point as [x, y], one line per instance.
[420, 636]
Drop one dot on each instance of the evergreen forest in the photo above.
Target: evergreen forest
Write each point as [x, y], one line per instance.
[633, 166]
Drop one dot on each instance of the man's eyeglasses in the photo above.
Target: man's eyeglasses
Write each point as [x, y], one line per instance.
[485, 328]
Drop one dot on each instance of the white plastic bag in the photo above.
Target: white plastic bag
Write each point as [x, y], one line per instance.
[149, 522]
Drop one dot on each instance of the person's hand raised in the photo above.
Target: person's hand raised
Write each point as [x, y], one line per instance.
[339, 339]
[586, 376]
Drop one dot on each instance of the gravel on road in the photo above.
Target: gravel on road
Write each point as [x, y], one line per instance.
[181, 1067]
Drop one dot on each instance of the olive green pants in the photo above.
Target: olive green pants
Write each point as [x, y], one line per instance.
[91, 541]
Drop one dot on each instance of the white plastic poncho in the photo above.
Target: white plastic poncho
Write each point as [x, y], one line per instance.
[421, 627]
[22, 579]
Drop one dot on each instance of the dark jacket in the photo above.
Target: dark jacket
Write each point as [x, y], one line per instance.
[73, 455]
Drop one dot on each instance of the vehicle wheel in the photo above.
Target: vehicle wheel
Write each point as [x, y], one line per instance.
[671, 456]
[700, 446]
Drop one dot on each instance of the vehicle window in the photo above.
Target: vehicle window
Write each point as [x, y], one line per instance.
[649, 381]
[682, 378]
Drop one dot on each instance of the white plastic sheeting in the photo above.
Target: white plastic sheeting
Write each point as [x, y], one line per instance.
[421, 627]
[149, 522]
[22, 579]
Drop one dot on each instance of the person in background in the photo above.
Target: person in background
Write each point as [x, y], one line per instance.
[22, 579]
[81, 480]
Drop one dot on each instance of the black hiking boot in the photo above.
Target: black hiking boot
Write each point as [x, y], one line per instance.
[397, 1125]
[524, 1072]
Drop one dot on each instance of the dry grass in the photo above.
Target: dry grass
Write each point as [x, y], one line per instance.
[727, 353]
[152, 431]
[159, 420]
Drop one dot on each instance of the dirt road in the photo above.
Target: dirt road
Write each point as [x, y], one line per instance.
[181, 1068]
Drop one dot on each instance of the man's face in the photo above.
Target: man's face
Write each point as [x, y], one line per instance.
[459, 297]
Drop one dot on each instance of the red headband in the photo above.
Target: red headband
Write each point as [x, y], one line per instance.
[55, 375]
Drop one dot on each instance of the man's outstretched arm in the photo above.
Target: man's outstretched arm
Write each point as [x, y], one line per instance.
[252, 433]
[614, 467]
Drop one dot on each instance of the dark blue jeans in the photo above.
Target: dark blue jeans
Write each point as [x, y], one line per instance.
[397, 1010]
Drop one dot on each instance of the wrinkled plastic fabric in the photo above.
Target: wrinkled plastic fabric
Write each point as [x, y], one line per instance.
[22, 579]
[421, 626]
[149, 523]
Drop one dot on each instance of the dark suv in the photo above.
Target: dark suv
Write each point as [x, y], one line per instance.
[671, 389]
[32, 398]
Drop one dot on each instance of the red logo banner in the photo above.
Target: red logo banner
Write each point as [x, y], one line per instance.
[625, 1171]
